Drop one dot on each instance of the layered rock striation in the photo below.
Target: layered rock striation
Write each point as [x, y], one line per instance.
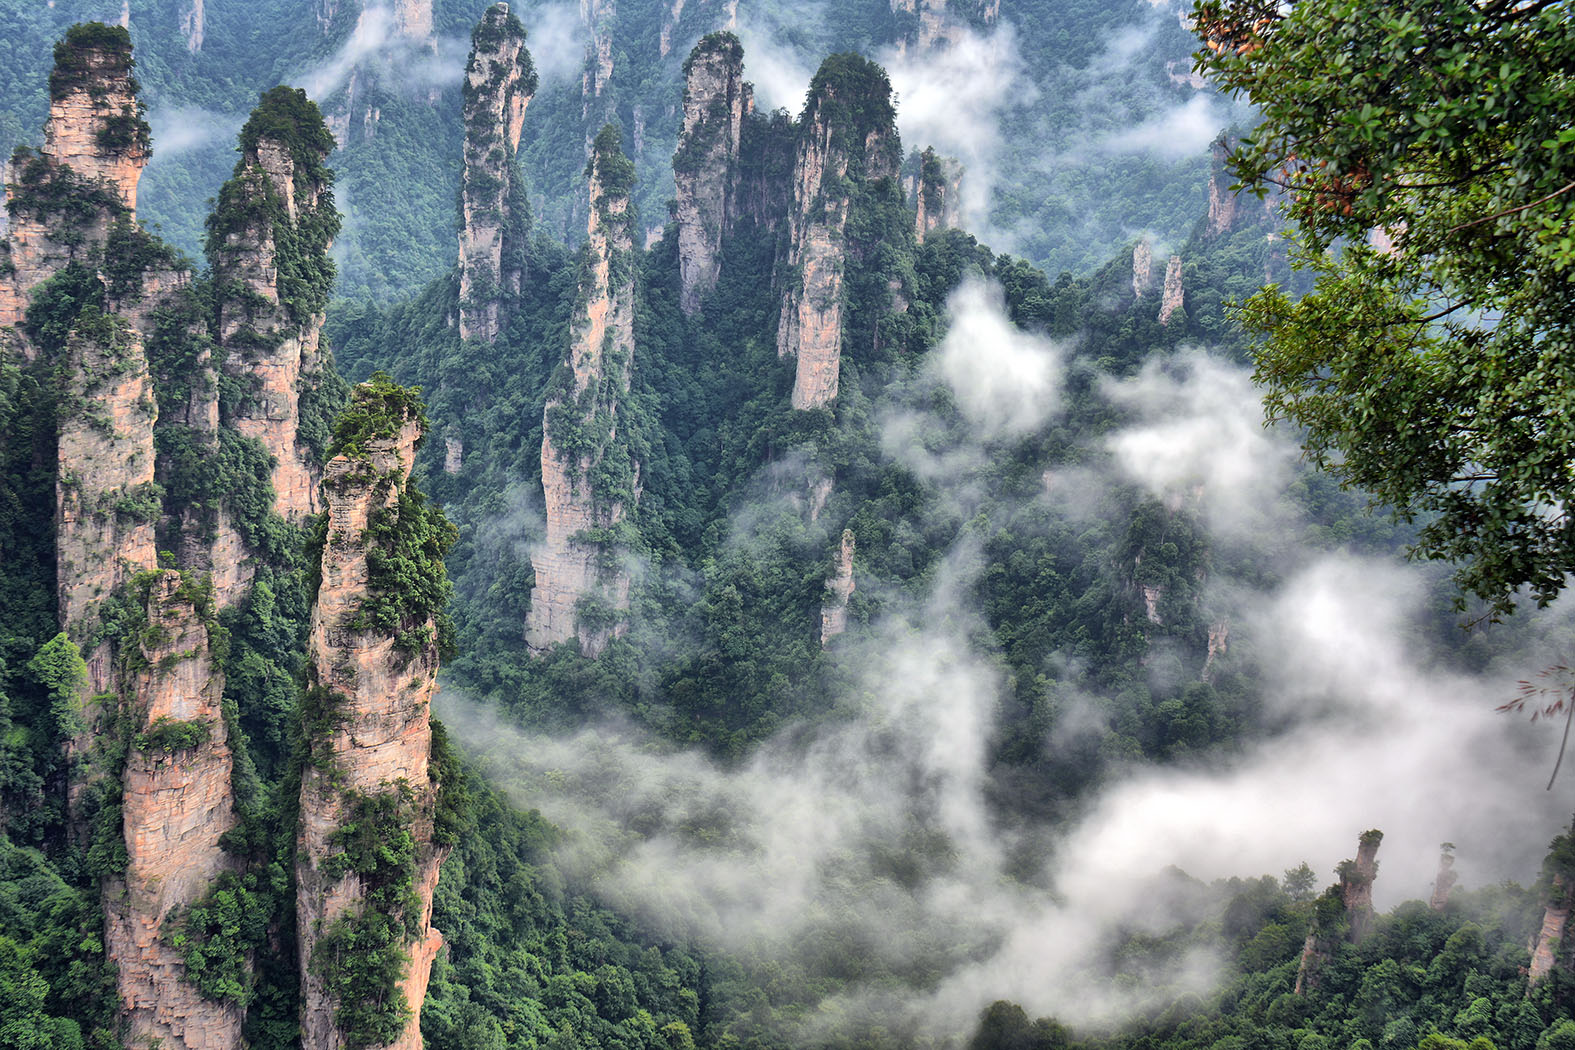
[177, 804]
[268, 244]
[848, 138]
[705, 166]
[500, 80]
[368, 850]
[590, 479]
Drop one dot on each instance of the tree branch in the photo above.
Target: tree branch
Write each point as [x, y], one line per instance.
[1511, 211]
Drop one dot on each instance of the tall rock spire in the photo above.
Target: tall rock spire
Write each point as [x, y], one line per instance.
[176, 805]
[499, 83]
[705, 165]
[848, 137]
[589, 477]
[369, 845]
[268, 242]
[95, 147]
[937, 198]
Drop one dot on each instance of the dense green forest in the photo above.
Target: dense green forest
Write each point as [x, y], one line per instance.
[1087, 581]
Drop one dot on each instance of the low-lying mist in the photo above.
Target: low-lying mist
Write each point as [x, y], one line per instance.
[871, 847]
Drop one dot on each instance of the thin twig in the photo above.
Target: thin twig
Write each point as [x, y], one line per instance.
[1511, 211]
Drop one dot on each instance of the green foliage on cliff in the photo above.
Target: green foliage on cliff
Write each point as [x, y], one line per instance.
[363, 954]
[88, 52]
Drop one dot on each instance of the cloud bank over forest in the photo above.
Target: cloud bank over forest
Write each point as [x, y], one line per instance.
[873, 835]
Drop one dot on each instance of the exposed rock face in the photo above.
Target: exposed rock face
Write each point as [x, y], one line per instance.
[1356, 884]
[1142, 267]
[453, 454]
[847, 136]
[937, 194]
[764, 184]
[1219, 642]
[1444, 881]
[413, 19]
[598, 16]
[1172, 297]
[269, 324]
[671, 13]
[105, 498]
[194, 24]
[1555, 916]
[1222, 201]
[1343, 909]
[500, 81]
[94, 116]
[705, 166]
[176, 805]
[1152, 594]
[834, 613]
[374, 733]
[936, 24]
[580, 591]
[95, 147]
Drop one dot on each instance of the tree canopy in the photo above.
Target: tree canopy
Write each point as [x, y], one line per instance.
[1426, 155]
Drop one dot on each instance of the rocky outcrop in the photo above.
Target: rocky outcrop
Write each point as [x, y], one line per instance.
[268, 247]
[839, 588]
[929, 25]
[95, 147]
[1172, 298]
[581, 591]
[937, 195]
[1218, 644]
[763, 187]
[1142, 267]
[369, 783]
[1344, 912]
[705, 165]
[413, 20]
[1356, 885]
[500, 81]
[1444, 881]
[847, 136]
[599, 17]
[193, 23]
[176, 805]
[1550, 938]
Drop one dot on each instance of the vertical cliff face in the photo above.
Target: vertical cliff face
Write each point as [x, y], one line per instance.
[1172, 297]
[64, 199]
[106, 500]
[368, 844]
[413, 19]
[1142, 267]
[705, 165]
[839, 588]
[598, 16]
[193, 23]
[1356, 884]
[848, 137]
[1555, 917]
[937, 194]
[929, 25]
[268, 246]
[176, 805]
[589, 477]
[1222, 201]
[500, 81]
